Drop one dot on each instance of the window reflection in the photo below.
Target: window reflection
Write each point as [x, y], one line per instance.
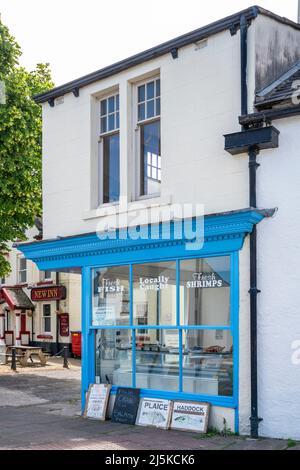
[111, 296]
[205, 291]
[154, 294]
[157, 360]
[207, 362]
[114, 357]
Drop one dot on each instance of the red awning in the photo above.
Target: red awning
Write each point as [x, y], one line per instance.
[16, 298]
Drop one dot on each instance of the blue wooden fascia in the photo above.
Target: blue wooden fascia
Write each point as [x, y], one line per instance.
[222, 234]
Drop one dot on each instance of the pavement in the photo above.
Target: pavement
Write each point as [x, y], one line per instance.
[40, 410]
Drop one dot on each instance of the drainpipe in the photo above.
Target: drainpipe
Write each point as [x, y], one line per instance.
[253, 291]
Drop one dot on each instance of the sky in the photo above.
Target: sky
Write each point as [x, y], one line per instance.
[79, 37]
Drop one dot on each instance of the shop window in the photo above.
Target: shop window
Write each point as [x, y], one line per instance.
[205, 291]
[166, 326]
[154, 294]
[47, 318]
[22, 274]
[109, 150]
[111, 296]
[114, 357]
[207, 362]
[148, 121]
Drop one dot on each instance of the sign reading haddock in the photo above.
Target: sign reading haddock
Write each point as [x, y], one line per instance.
[190, 416]
[154, 412]
[96, 401]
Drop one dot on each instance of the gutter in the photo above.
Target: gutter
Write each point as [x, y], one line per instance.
[266, 117]
[231, 23]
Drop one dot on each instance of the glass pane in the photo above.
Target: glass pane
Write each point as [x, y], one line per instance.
[111, 104]
[23, 276]
[23, 263]
[150, 90]
[150, 146]
[111, 122]
[114, 357]
[141, 93]
[111, 296]
[103, 125]
[205, 291]
[111, 168]
[207, 362]
[157, 359]
[47, 325]
[157, 107]
[150, 109]
[103, 107]
[158, 87]
[117, 120]
[141, 112]
[154, 294]
[117, 102]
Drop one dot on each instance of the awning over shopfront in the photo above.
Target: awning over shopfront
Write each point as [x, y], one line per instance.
[16, 298]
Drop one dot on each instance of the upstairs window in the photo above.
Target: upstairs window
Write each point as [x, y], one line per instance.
[148, 117]
[109, 152]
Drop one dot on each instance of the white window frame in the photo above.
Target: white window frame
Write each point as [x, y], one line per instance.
[101, 147]
[22, 270]
[43, 276]
[137, 138]
[43, 320]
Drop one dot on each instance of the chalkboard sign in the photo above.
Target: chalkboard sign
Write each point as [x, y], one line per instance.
[96, 401]
[126, 405]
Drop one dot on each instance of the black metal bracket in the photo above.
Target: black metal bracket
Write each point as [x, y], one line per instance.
[174, 52]
[51, 102]
[254, 290]
[254, 164]
[75, 92]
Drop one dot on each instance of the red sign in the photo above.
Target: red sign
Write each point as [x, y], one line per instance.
[63, 324]
[40, 294]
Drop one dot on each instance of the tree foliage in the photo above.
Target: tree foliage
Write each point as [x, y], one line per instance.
[20, 144]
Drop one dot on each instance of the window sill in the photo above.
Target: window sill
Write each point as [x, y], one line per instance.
[116, 208]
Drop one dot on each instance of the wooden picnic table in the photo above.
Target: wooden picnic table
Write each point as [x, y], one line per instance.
[25, 353]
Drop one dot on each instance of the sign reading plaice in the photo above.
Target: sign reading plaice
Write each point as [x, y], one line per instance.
[190, 416]
[154, 412]
[40, 294]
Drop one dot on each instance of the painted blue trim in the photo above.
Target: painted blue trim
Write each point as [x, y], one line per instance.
[167, 327]
[226, 402]
[222, 233]
[234, 302]
[133, 358]
[85, 369]
[180, 363]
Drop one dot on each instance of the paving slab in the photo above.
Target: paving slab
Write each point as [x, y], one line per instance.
[41, 409]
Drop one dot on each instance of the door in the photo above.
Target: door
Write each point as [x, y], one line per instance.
[23, 322]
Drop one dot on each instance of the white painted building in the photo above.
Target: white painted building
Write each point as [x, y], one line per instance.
[151, 129]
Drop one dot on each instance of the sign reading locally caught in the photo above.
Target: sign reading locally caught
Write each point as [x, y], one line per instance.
[126, 406]
[40, 294]
[154, 283]
[206, 280]
[154, 412]
[96, 401]
[190, 416]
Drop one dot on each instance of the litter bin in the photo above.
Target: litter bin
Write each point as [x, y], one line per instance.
[76, 343]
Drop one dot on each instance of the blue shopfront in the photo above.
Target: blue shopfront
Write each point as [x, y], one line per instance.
[156, 313]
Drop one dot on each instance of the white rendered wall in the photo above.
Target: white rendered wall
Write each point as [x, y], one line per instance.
[279, 281]
[200, 103]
